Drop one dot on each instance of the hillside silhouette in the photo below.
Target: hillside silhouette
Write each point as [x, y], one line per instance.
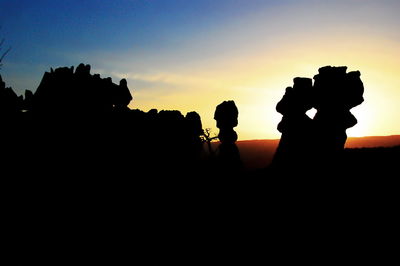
[257, 154]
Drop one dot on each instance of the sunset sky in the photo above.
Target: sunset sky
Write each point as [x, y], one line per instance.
[190, 55]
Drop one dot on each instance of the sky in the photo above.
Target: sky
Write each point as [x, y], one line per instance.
[192, 55]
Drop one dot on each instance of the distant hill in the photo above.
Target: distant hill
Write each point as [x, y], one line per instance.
[372, 142]
[259, 153]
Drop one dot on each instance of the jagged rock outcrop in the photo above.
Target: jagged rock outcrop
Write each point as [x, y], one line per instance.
[322, 138]
[10, 103]
[64, 90]
[335, 92]
[81, 123]
[296, 126]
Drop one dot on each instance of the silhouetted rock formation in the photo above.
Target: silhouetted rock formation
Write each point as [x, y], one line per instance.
[10, 103]
[296, 127]
[81, 123]
[64, 91]
[319, 140]
[12, 129]
[226, 115]
[28, 100]
[121, 95]
[336, 92]
[194, 129]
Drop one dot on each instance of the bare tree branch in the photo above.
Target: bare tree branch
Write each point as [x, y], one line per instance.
[206, 138]
[2, 55]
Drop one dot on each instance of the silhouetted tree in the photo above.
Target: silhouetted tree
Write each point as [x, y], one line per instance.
[207, 138]
[3, 53]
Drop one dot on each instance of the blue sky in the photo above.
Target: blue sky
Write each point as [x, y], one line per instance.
[193, 54]
[57, 33]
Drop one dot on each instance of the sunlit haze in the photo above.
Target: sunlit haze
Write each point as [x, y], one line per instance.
[192, 55]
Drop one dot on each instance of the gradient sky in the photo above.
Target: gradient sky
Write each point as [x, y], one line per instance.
[190, 55]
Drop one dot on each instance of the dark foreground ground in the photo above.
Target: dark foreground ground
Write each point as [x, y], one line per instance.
[207, 216]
